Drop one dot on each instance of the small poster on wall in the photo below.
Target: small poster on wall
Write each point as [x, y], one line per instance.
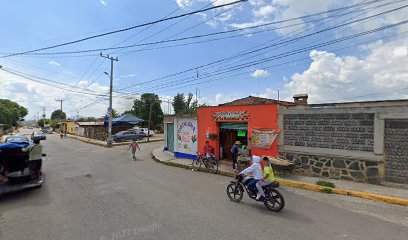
[263, 138]
[187, 136]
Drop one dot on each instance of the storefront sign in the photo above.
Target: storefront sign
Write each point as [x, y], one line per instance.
[231, 116]
[263, 138]
[187, 136]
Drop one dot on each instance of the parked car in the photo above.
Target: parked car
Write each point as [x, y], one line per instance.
[17, 139]
[127, 135]
[38, 135]
[145, 131]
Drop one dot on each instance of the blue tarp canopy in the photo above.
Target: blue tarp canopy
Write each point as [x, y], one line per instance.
[125, 120]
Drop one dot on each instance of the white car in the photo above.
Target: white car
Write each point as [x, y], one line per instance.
[146, 130]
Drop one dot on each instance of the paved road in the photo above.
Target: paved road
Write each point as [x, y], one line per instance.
[97, 193]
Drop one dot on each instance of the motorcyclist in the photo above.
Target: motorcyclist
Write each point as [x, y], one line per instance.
[209, 150]
[268, 177]
[257, 174]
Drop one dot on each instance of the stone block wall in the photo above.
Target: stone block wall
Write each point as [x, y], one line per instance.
[396, 148]
[334, 167]
[345, 131]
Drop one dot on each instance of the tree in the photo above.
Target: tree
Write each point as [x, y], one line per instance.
[115, 114]
[58, 114]
[141, 109]
[42, 122]
[11, 112]
[86, 119]
[184, 105]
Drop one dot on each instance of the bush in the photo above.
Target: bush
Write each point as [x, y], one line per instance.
[325, 184]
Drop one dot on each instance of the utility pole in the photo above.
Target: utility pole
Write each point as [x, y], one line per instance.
[109, 141]
[150, 119]
[43, 116]
[60, 100]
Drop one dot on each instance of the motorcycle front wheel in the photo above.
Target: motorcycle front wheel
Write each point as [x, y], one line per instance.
[235, 192]
[212, 166]
[274, 201]
[196, 164]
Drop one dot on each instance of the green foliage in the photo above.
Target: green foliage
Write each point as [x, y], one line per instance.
[325, 184]
[184, 105]
[327, 190]
[43, 122]
[11, 112]
[58, 114]
[115, 114]
[212, 136]
[86, 119]
[141, 109]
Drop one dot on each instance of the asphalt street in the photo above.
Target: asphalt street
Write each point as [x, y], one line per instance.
[97, 193]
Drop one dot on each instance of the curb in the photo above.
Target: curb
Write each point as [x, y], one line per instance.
[91, 141]
[308, 186]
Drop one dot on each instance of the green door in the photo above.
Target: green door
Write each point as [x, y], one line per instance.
[170, 137]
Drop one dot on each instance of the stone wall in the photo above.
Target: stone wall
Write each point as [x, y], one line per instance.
[396, 147]
[334, 167]
[345, 131]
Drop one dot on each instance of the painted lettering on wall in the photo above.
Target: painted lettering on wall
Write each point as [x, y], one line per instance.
[231, 116]
[187, 136]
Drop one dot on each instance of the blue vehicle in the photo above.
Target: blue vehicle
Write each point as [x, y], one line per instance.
[15, 171]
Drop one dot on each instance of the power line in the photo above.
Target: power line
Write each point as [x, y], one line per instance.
[234, 56]
[281, 43]
[282, 55]
[124, 29]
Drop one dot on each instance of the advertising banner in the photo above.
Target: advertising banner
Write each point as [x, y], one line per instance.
[263, 138]
[231, 116]
[187, 137]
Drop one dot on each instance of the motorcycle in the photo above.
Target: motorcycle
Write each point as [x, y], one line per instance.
[273, 199]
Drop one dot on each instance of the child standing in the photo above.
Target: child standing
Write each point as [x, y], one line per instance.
[133, 146]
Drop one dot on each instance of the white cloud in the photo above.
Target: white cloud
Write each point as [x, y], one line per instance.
[264, 11]
[53, 63]
[131, 75]
[103, 2]
[256, 2]
[182, 3]
[382, 74]
[269, 93]
[260, 73]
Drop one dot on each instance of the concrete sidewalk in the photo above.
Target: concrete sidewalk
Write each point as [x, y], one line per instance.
[395, 195]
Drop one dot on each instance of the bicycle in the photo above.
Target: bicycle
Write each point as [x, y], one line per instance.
[210, 164]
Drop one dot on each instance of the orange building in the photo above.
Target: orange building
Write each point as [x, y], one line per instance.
[251, 120]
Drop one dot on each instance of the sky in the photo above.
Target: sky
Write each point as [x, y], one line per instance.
[333, 50]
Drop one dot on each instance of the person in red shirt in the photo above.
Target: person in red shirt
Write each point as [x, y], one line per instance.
[209, 150]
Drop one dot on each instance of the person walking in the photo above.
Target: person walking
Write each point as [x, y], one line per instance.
[133, 146]
[234, 152]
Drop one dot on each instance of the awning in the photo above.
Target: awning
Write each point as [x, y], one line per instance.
[234, 126]
[125, 120]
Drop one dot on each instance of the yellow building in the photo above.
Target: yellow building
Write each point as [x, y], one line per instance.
[68, 126]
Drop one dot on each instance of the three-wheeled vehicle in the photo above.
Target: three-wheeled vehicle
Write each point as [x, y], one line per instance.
[16, 172]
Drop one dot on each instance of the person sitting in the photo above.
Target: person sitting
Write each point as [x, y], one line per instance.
[209, 150]
[256, 170]
[268, 178]
[35, 158]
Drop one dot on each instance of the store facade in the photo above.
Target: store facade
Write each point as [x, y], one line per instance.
[253, 124]
[181, 136]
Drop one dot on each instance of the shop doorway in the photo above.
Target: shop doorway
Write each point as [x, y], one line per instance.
[229, 134]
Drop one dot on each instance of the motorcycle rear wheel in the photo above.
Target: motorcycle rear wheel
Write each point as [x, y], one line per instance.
[274, 201]
[235, 192]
